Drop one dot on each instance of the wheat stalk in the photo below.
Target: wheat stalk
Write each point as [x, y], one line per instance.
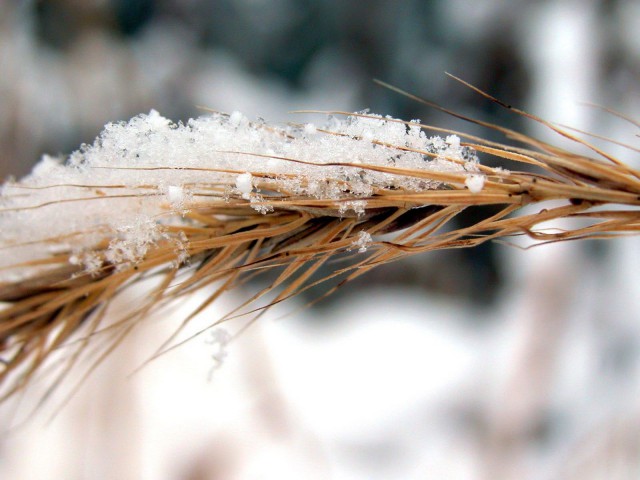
[218, 225]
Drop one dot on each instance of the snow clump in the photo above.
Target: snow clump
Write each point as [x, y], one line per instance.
[145, 174]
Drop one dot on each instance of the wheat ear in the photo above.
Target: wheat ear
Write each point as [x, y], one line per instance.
[364, 191]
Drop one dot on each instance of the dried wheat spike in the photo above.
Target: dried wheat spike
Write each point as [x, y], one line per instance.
[219, 200]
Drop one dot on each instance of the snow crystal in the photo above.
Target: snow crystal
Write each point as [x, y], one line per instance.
[176, 196]
[133, 241]
[90, 260]
[362, 242]
[310, 129]
[157, 121]
[236, 119]
[182, 255]
[357, 206]
[48, 165]
[244, 184]
[475, 183]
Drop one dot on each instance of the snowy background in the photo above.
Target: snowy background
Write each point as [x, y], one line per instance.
[492, 363]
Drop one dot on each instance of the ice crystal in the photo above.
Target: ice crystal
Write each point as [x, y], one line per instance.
[475, 183]
[362, 242]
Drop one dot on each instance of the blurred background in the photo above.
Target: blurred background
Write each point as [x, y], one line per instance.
[492, 363]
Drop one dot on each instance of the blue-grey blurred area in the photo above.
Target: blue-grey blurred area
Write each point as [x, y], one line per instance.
[533, 356]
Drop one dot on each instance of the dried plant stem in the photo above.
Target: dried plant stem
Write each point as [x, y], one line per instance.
[228, 241]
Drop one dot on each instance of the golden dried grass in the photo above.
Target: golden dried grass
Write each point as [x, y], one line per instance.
[229, 242]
